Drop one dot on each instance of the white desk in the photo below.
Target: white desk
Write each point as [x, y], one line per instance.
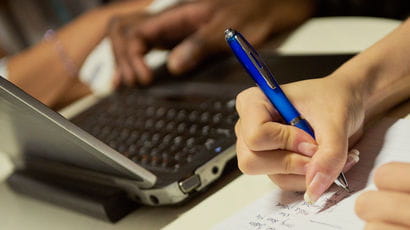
[335, 35]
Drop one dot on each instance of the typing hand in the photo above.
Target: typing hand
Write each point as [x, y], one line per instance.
[389, 207]
[289, 156]
[195, 30]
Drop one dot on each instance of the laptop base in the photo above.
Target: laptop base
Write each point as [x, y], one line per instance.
[96, 200]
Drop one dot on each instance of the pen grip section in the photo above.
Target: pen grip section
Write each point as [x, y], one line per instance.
[304, 125]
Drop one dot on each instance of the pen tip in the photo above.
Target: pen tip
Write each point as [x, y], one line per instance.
[229, 33]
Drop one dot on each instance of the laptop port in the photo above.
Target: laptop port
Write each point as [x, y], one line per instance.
[190, 184]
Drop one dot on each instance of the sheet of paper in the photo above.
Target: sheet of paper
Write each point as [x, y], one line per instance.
[388, 141]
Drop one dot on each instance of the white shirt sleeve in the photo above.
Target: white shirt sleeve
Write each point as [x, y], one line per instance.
[3, 67]
[157, 6]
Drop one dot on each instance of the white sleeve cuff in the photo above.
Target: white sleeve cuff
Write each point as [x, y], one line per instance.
[160, 5]
[3, 68]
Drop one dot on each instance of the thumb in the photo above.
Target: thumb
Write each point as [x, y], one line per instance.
[206, 41]
[327, 163]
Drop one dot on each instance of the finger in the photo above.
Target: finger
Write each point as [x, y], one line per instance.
[355, 137]
[126, 71]
[383, 226]
[261, 134]
[328, 161]
[268, 162]
[395, 207]
[251, 95]
[116, 79]
[136, 51]
[390, 177]
[206, 41]
[289, 182]
[118, 45]
[172, 26]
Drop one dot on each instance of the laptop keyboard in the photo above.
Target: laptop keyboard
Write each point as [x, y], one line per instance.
[162, 133]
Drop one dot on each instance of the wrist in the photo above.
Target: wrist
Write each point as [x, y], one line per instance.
[376, 84]
[119, 8]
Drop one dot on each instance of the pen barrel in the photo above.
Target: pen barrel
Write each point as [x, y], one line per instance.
[304, 125]
[284, 107]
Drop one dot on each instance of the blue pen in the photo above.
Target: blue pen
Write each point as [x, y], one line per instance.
[261, 74]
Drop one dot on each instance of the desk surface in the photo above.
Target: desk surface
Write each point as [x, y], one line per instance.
[324, 35]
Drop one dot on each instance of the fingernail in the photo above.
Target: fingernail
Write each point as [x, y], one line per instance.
[317, 187]
[116, 79]
[307, 199]
[354, 152]
[174, 65]
[180, 61]
[352, 159]
[307, 148]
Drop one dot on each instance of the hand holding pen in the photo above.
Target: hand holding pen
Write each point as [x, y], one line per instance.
[288, 153]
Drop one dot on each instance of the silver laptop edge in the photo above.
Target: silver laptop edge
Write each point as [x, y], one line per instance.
[140, 191]
[108, 155]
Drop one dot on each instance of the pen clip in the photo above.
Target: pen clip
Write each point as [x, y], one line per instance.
[257, 62]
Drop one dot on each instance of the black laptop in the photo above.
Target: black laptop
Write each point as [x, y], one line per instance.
[160, 144]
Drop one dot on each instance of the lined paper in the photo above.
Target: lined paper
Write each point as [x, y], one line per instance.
[386, 142]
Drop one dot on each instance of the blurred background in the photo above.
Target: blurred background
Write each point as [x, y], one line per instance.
[24, 22]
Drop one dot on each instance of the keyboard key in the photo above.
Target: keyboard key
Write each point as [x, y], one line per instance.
[171, 126]
[217, 105]
[230, 105]
[194, 116]
[168, 138]
[158, 133]
[205, 117]
[182, 115]
[160, 125]
[217, 118]
[209, 143]
[150, 111]
[205, 130]
[132, 149]
[160, 112]
[171, 114]
[193, 129]
[190, 142]
[224, 132]
[156, 138]
[149, 124]
[178, 140]
[181, 128]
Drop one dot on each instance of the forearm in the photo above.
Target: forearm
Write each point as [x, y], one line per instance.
[41, 70]
[381, 74]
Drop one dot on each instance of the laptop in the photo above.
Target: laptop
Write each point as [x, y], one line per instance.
[160, 144]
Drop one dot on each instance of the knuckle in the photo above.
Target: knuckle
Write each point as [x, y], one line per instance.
[246, 163]
[240, 98]
[253, 139]
[281, 137]
[244, 96]
[287, 163]
[331, 160]
[238, 102]
[236, 128]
